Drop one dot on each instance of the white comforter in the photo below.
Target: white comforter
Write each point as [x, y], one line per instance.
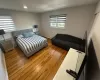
[31, 44]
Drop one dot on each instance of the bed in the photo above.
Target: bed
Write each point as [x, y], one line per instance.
[29, 45]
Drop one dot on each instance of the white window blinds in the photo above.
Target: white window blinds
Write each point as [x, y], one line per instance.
[58, 21]
[6, 23]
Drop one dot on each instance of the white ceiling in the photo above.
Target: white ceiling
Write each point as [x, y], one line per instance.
[42, 5]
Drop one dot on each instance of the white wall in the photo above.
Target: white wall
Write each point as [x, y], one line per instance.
[78, 21]
[95, 35]
[97, 8]
[22, 20]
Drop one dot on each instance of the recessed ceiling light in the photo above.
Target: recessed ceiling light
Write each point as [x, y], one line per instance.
[25, 7]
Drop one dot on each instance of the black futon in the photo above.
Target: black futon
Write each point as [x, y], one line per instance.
[67, 41]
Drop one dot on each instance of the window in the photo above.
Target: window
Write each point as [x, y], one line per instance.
[58, 21]
[6, 23]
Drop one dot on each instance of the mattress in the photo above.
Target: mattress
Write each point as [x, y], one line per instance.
[32, 44]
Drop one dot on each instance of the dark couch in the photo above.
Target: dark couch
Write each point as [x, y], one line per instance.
[67, 41]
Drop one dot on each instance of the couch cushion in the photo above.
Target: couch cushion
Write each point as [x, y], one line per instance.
[59, 43]
[69, 38]
[66, 42]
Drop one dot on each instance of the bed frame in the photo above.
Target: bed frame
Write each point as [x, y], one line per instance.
[16, 33]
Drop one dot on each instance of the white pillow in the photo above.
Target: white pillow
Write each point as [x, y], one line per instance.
[20, 36]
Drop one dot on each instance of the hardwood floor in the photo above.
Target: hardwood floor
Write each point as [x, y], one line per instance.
[41, 66]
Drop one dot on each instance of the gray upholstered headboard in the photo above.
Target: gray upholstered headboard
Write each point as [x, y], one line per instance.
[16, 33]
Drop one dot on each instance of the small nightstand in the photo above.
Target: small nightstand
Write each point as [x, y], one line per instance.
[7, 44]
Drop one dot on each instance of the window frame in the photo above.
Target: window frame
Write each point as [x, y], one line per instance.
[7, 22]
[56, 21]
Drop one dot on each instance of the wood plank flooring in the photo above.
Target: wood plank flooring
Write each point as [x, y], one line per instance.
[41, 66]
